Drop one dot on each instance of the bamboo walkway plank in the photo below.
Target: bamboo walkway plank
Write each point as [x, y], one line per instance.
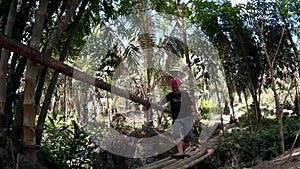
[197, 154]
[164, 162]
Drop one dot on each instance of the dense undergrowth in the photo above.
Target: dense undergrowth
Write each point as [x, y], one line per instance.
[243, 147]
[66, 145]
[237, 148]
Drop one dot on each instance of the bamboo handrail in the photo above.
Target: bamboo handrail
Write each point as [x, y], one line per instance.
[36, 56]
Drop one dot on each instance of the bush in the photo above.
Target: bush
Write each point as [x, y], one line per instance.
[296, 109]
[66, 145]
[291, 129]
[241, 148]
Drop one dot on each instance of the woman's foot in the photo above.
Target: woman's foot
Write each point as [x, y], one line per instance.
[185, 146]
[180, 148]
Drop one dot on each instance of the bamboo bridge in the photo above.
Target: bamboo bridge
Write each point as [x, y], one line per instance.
[197, 154]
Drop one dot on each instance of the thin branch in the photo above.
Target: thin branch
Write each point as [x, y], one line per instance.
[280, 41]
[289, 91]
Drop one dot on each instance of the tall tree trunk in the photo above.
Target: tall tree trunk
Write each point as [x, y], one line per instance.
[182, 25]
[251, 84]
[51, 88]
[147, 46]
[230, 89]
[17, 64]
[224, 48]
[14, 83]
[55, 36]
[4, 123]
[30, 84]
[248, 112]
[257, 111]
[277, 105]
[271, 63]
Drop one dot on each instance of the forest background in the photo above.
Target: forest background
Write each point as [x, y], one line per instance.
[44, 114]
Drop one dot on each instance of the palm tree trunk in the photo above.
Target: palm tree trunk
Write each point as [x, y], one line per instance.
[147, 51]
[30, 84]
[3, 65]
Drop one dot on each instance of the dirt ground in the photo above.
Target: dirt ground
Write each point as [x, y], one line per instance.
[289, 160]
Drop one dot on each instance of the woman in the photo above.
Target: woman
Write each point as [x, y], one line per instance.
[182, 111]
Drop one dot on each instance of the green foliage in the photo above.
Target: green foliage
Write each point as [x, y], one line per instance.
[246, 147]
[7, 149]
[291, 129]
[204, 109]
[296, 109]
[66, 145]
[247, 120]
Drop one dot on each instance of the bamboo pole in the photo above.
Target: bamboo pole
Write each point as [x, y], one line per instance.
[36, 56]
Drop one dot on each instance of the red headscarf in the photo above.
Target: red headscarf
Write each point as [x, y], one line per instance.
[175, 83]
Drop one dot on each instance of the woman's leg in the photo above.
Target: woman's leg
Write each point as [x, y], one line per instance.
[187, 132]
[176, 127]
